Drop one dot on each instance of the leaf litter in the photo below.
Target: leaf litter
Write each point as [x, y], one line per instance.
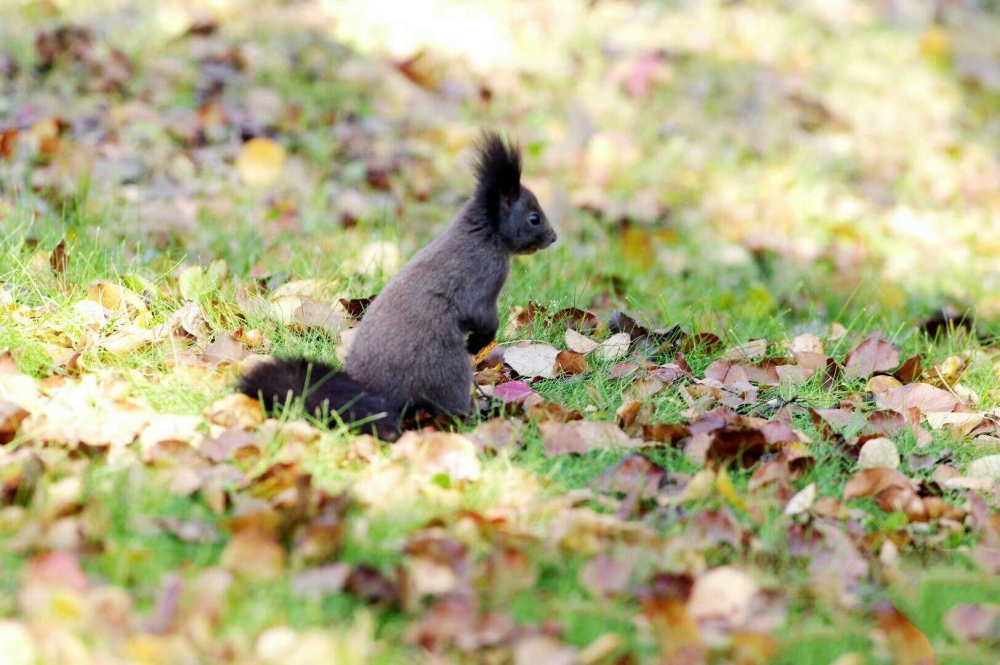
[688, 445]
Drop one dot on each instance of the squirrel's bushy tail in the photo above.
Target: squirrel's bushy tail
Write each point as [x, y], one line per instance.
[321, 387]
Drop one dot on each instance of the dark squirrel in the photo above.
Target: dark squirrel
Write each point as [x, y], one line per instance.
[411, 350]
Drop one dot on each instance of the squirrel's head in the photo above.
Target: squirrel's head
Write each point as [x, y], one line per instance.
[515, 216]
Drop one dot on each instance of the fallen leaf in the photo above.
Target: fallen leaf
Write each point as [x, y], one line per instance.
[908, 645]
[605, 576]
[724, 594]
[960, 423]
[581, 436]
[260, 161]
[634, 475]
[985, 467]
[118, 298]
[802, 501]
[532, 359]
[497, 435]
[59, 260]
[196, 282]
[313, 315]
[751, 350]
[873, 354]
[924, 397]
[643, 389]
[579, 343]
[577, 320]
[878, 452]
[806, 343]
[615, 347]
[571, 362]
[254, 553]
[512, 391]
[432, 454]
[881, 383]
[11, 417]
[871, 482]
[910, 370]
[226, 348]
[976, 624]
[621, 370]
[356, 307]
[543, 649]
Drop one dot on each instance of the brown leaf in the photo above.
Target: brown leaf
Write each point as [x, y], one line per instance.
[870, 482]
[321, 581]
[439, 453]
[873, 354]
[371, 586]
[576, 319]
[910, 370]
[978, 624]
[235, 409]
[922, 396]
[907, 644]
[581, 436]
[313, 315]
[11, 417]
[736, 443]
[802, 501]
[543, 649]
[254, 553]
[725, 595]
[571, 362]
[59, 260]
[356, 307]
[665, 433]
[903, 500]
[226, 349]
[752, 350]
[605, 576]
[726, 373]
[497, 434]
[643, 389]
[621, 370]
[632, 414]
[635, 475]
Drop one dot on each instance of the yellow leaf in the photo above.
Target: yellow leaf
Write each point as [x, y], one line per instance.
[260, 161]
[724, 486]
[935, 44]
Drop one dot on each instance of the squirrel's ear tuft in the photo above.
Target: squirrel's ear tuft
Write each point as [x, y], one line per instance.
[498, 168]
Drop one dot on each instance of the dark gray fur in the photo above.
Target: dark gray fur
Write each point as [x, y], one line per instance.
[412, 347]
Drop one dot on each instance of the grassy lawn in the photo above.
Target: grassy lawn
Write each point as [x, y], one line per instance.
[805, 470]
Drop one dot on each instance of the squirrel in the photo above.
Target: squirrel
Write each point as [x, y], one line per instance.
[411, 349]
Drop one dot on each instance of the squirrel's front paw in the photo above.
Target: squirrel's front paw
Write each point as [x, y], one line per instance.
[477, 342]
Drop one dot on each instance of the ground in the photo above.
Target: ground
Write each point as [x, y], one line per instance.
[744, 411]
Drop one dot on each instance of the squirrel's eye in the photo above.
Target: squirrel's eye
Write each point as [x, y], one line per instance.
[534, 219]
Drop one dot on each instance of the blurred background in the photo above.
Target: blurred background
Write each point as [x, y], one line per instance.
[786, 158]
